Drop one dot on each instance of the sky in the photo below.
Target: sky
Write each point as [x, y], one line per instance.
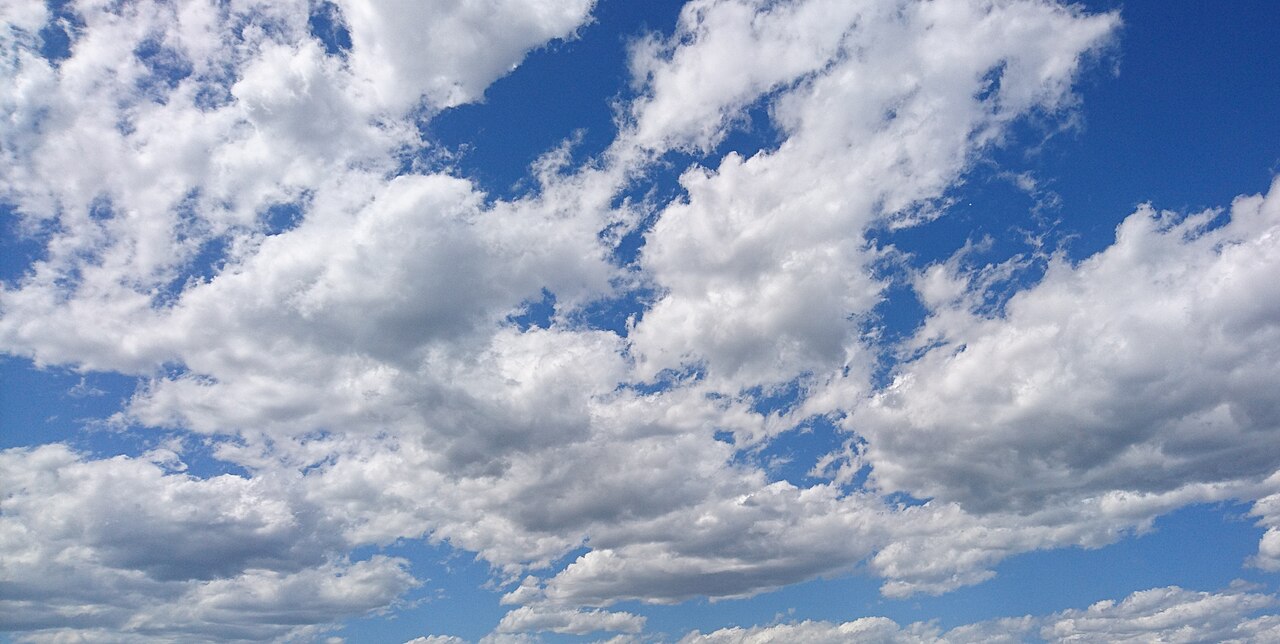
[639, 322]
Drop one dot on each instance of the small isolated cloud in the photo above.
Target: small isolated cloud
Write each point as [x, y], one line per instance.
[437, 639]
[538, 618]
[83, 389]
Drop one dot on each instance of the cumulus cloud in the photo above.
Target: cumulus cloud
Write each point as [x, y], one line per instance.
[120, 548]
[1268, 509]
[1112, 391]
[726, 547]
[1169, 615]
[251, 223]
[448, 53]
[1144, 368]
[764, 265]
[529, 619]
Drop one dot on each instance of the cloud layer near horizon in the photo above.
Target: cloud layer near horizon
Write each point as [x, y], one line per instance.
[251, 222]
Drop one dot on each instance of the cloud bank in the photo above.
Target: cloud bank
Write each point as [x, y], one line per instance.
[1169, 614]
[238, 205]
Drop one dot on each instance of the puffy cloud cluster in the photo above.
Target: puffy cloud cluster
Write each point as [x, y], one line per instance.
[765, 266]
[1146, 368]
[1112, 391]
[244, 115]
[245, 216]
[121, 549]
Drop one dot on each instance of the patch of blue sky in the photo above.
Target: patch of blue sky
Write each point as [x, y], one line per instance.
[457, 596]
[209, 253]
[20, 246]
[60, 405]
[1187, 122]
[667, 379]
[778, 399]
[564, 91]
[535, 313]
[166, 68]
[559, 92]
[57, 36]
[989, 216]
[660, 187]
[752, 132]
[1199, 547]
[1151, 134]
[617, 313]
[56, 404]
[1155, 133]
[327, 25]
[895, 318]
[793, 455]
[283, 217]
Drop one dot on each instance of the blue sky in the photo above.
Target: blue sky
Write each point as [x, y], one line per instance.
[585, 321]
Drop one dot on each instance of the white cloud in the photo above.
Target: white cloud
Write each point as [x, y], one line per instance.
[367, 342]
[449, 52]
[722, 57]
[1268, 509]
[764, 266]
[880, 630]
[532, 619]
[137, 184]
[763, 539]
[359, 362]
[1145, 369]
[437, 639]
[1169, 614]
[120, 548]
[1111, 392]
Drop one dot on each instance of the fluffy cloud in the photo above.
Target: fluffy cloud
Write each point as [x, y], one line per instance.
[1145, 369]
[250, 223]
[448, 53]
[528, 619]
[1169, 615]
[764, 266]
[727, 547]
[246, 113]
[121, 548]
[1268, 508]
